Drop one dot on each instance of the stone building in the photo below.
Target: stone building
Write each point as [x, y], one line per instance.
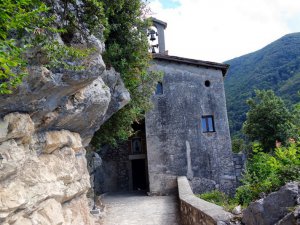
[185, 134]
[125, 167]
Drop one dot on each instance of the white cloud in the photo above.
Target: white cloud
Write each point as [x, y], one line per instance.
[218, 30]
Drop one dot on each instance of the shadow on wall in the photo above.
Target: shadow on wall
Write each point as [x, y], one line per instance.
[124, 168]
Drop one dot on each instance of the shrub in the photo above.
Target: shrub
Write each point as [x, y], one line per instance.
[237, 144]
[219, 198]
[266, 172]
[245, 195]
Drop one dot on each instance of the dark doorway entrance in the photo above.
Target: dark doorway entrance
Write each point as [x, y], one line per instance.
[139, 174]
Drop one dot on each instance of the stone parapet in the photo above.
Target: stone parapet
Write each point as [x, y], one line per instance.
[239, 161]
[195, 211]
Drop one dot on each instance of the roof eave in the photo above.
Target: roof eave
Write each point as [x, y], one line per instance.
[221, 66]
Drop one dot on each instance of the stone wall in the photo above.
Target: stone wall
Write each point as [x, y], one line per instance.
[43, 176]
[239, 160]
[195, 211]
[113, 174]
[176, 144]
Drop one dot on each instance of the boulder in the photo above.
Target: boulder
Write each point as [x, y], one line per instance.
[289, 219]
[275, 208]
[237, 210]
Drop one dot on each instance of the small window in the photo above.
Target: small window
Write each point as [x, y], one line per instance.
[159, 89]
[208, 124]
[207, 83]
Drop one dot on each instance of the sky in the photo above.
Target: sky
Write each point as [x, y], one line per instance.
[219, 30]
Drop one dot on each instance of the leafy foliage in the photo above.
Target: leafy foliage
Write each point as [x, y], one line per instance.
[127, 51]
[266, 172]
[17, 17]
[276, 67]
[296, 120]
[268, 120]
[238, 144]
[62, 56]
[28, 27]
[219, 198]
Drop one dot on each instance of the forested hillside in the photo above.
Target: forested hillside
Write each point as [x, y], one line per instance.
[276, 67]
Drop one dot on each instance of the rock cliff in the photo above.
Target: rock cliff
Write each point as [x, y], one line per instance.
[44, 126]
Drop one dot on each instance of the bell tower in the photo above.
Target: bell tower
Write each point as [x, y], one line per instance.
[160, 26]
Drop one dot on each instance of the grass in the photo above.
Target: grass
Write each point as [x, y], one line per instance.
[219, 198]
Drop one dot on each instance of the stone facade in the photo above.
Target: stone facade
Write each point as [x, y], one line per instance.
[177, 142]
[187, 130]
[113, 174]
[123, 168]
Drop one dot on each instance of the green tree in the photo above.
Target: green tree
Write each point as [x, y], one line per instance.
[296, 121]
[127, 51]
[268, 120]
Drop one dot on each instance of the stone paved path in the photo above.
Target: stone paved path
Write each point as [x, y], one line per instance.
[139, 209]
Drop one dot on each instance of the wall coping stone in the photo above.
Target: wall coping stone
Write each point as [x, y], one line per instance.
[216, 214]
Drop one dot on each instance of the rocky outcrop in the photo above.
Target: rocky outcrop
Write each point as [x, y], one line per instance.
[80, 102]
[44, 126]
[42, 175]
[280, 208]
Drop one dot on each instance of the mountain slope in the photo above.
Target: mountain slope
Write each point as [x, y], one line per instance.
[276, 67]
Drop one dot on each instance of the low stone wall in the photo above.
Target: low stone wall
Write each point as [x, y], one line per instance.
[239, 161]
[195, 211]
